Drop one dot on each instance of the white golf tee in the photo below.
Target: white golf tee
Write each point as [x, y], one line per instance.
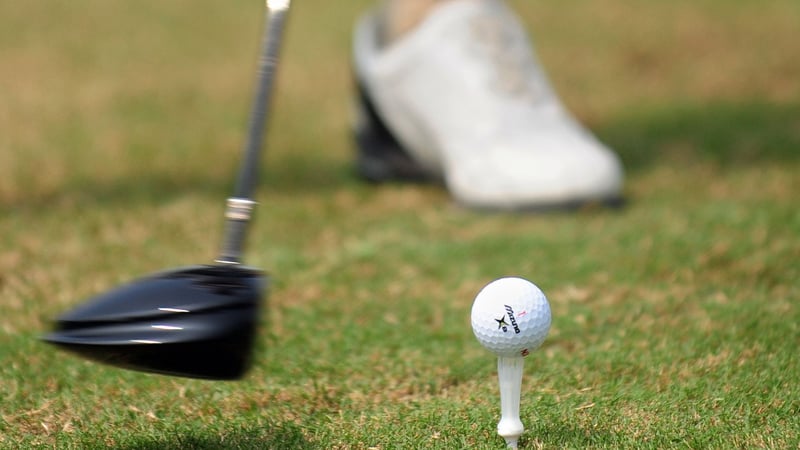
[509, 374]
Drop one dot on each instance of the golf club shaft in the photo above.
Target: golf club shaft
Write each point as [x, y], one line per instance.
[240, 207]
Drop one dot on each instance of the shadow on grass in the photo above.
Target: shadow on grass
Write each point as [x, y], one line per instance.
[284, 435]
[162, 186]
[724, 133]
[289, 174]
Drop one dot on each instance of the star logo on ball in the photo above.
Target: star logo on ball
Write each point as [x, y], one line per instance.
[502, 324]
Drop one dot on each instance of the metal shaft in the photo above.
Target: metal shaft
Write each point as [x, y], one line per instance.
[240, 207]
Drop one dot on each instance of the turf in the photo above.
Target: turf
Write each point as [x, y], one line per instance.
[675, 317]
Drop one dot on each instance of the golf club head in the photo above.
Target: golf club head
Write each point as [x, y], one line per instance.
[197, 322]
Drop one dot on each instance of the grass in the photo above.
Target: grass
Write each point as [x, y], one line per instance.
[675, 318]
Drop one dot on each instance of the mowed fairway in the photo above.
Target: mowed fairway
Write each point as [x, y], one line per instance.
[675, 319]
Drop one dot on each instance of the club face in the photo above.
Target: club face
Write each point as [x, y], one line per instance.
[197, 322]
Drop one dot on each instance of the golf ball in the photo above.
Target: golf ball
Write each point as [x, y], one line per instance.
[510, 317]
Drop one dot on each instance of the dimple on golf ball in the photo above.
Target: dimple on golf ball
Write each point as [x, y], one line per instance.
[511, 317]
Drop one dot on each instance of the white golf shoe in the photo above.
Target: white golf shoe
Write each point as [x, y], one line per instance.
[462, 98]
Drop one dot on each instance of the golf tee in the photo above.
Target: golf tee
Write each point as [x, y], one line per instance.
[509, 374]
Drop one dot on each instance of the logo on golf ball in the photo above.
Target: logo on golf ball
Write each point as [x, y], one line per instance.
[513, 320]
[502, 325]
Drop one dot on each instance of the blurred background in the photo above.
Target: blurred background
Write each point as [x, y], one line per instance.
[123, 97]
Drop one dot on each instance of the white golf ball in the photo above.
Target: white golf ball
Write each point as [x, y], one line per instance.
[511, 317]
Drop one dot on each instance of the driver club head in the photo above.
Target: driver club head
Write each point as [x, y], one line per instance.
[196, 322]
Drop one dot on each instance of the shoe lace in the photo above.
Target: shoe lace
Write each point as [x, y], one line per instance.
[511, 60]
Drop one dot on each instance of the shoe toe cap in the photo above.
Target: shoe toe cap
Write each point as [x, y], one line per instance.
[545, 171]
